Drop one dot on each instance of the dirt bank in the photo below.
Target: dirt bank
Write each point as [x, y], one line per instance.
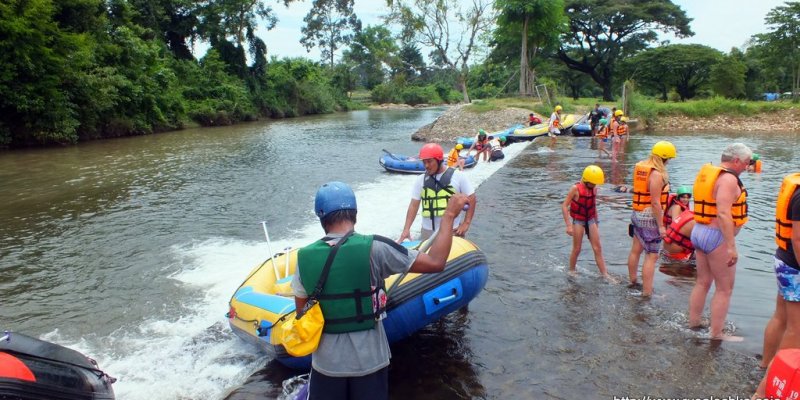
[783, 120]
[457, 121]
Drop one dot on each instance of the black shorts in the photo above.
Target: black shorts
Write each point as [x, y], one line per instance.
[497, 155]
[374, 386]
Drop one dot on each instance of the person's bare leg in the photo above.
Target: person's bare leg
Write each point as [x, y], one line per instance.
[723, 277]
[648, 273]
[633, 260]
[697, 299]
[577, 240]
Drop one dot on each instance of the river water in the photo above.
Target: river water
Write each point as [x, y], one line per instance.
[129, 249]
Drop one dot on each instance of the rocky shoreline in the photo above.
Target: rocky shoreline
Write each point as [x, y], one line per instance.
[456, 121]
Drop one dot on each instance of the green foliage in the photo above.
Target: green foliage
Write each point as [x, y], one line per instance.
[601, 33]
[781, 46]
[329, 24]
[370, 50]
[683, 67]
[728, 77]
[650, 109]
[297, 87]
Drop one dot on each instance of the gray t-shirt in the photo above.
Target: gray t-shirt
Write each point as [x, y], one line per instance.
[363, 352]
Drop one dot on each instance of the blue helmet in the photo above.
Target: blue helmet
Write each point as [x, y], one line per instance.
[334, 196]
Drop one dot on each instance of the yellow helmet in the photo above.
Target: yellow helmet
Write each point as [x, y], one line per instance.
[459, 146]
[624, 119]
[618, 113]
[593, 174]
[558, 108]
[665, 150]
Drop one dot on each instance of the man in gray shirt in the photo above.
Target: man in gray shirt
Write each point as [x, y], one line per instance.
[352, 359]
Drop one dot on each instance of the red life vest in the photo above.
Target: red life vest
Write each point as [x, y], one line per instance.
[672, 199]
[674, 234]
[585, 207]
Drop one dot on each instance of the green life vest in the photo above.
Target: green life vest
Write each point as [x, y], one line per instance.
[435, 194]
[346, 299]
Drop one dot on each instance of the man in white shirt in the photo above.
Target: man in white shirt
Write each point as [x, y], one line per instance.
[432, 190]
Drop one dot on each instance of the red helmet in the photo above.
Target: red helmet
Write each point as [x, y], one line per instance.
[431, 150]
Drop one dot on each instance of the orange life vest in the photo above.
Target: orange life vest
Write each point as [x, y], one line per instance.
[585, 208]
[757, 166]
[622, 129]
[452, 158]
[705, 206]
[602, 133]
[783, 227]
[674, 234]
[672, 199]
[641, 189]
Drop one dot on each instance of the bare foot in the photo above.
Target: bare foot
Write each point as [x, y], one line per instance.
[728, 338]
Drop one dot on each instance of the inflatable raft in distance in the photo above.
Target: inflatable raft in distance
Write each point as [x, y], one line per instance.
[412, 165]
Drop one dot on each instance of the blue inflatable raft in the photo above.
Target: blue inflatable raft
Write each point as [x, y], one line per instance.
[411, 165]
[583, 127]
[416, 301]
[468, 141]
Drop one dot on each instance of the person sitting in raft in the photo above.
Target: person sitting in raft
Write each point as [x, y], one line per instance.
[580, 215]
[679, 220]
[496, 146]
[481, 146]
[533, 119]
[755, 164]
[454, 158]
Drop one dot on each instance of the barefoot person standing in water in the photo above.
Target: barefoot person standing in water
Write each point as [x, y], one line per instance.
[783, 329]
[581, 207]
[720, 211]
[650, 190]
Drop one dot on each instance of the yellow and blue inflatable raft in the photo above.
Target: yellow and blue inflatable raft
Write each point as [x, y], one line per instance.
[419, 299]
[535, 131]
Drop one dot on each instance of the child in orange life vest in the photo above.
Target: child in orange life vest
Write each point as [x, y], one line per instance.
[602, 138]
[580, 215]
[454, 158]
[679, 220]
[755, 164]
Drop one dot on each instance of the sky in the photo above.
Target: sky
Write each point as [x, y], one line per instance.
[721, 24]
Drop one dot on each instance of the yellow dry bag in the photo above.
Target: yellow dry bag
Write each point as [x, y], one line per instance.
[300, 336]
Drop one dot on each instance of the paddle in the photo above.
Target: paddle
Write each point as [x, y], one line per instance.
[391, 155]
[272, 255]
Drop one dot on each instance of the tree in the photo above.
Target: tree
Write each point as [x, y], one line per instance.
[684, 67]
[371, 50]
[229, 25]
[728, 76]
[523, 28]
[782, 43]
[452, 46]
[329, 24]
[602, 32]
[175, 21]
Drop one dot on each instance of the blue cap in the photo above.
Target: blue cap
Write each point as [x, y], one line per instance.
[334, 196]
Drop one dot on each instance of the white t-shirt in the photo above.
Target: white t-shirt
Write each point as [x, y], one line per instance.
[553, 118]
[459, 183]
